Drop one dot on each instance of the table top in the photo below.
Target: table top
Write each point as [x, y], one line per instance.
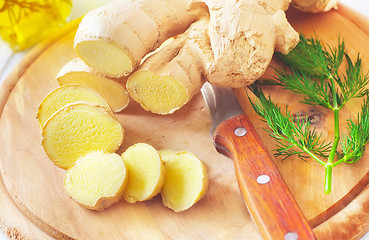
[8, 59]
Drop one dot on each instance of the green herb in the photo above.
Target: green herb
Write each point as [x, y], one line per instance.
[314, 72]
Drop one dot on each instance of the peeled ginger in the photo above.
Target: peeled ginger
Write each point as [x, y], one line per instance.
[79, 128]
[145, 172]
[64, 95]
[96, 180]
[186, 180]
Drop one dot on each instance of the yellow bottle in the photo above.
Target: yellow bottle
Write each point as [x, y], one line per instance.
[24, 23]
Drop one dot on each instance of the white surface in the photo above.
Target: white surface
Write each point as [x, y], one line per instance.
[362, 6]
[8, 60]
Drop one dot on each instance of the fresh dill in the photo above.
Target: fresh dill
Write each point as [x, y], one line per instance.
[314, 73]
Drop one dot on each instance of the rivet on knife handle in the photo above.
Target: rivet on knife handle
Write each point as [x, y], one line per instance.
[266, 195]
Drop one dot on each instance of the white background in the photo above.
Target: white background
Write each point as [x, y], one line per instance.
[8, 59]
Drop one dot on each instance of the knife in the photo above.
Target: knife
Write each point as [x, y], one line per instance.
[266, 195]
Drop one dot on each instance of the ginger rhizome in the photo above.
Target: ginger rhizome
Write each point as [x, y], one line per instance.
[168, 79]
[242, 37]
[228, 43]
[113, 39]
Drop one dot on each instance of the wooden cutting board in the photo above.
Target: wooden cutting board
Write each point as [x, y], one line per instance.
[33, 203]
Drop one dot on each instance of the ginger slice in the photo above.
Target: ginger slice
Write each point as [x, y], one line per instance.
[186, 180]
[157, 93]
[79, 128]
[96, 180]
[145, 172]
[105, 58]
[114, 38]
[77, 72]
[64, 95]
[169, 78]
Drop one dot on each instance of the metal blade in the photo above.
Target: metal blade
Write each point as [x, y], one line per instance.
[222, 103]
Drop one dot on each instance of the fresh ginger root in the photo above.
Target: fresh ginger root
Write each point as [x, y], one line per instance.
[315, 6]
[96, 180]
[79, 128]
[64, 95]
[240, 38]
[77, 72]
[145, 172]
[113, 39]
[225, 56]
[243, 35]
[186, 180]
[228, 43]
[168, 79]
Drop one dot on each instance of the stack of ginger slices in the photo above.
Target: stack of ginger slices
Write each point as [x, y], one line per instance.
[81, 134]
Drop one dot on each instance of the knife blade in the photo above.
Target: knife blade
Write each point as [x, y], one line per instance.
[266, 195]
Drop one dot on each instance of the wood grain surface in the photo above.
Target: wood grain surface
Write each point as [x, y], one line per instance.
[33, 201]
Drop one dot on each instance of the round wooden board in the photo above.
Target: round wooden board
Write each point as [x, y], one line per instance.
[36, 185]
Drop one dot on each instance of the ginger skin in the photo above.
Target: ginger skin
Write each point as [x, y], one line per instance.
[228, 43]
[315, 6]
[229, 52]
[113, 39]
[168, 79]
[240, 38]
[243, 36]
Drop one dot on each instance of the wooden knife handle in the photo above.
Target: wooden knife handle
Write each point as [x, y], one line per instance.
[270, 203]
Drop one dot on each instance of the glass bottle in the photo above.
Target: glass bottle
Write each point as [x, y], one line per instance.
[24, 23]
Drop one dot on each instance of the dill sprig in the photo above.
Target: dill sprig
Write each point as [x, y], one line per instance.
[314, 73]
[294, 136]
